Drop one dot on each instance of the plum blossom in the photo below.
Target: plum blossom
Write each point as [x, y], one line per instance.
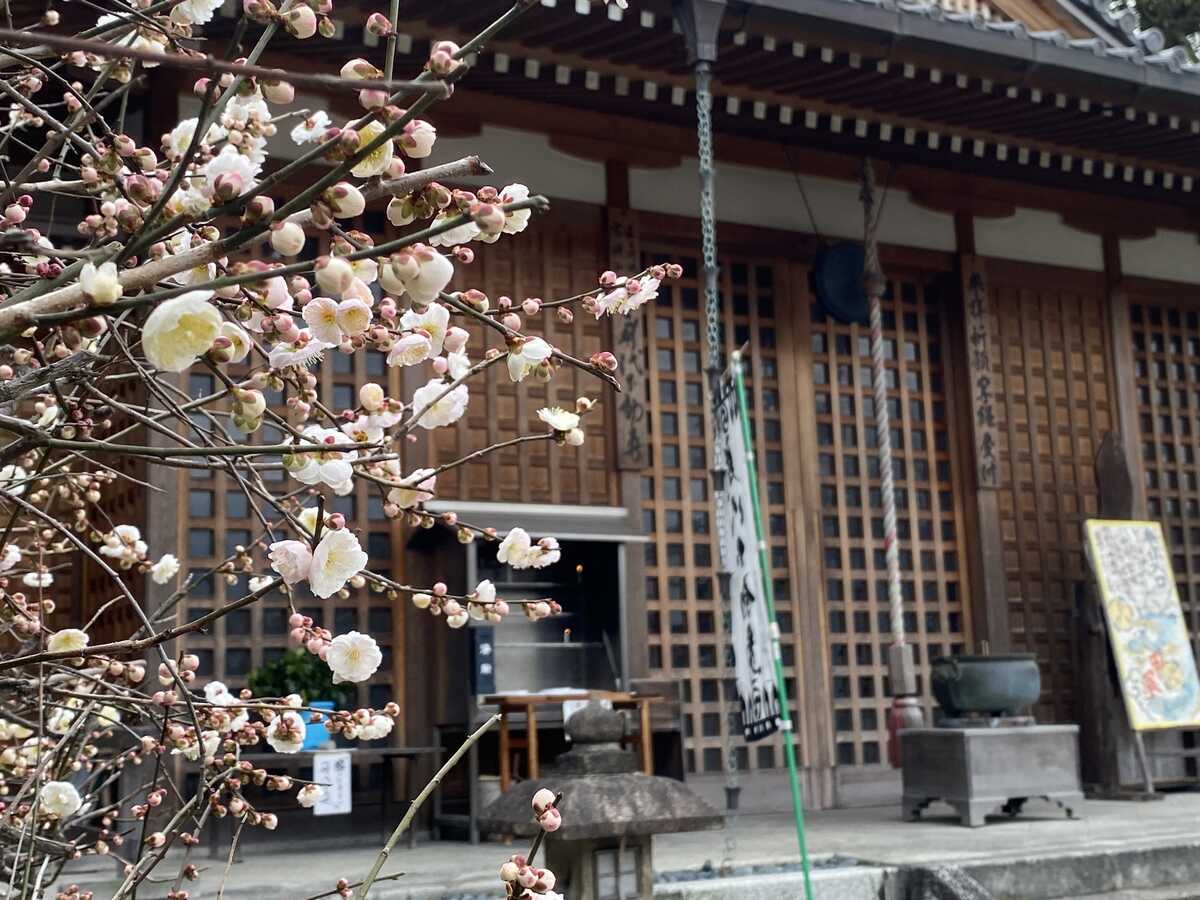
[179, 330]
[332, 321]
[207, 746]
[434, 320]
[309, 795]
[286, 732]
[417, 139]
[311, 129]
[410, 350]
[527, 355]
[12, 479]
[59, 799]
[304, 353]
[519, 551]
[558, 418]
[353, 657]
[195, 12]
[413, 489]
[230, 164]
[338, 557]
[377, 161]
[516, 221]
[100, 283]
[291, 559]
[378, 728]
[165, 569]
[440, 410]
[628, 294]
[331, 467]
[175, 142]
[124, 543]
[10, 557]
[68, 640]
[39, 579]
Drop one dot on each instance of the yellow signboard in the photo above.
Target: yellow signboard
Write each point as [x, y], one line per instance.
[1155, 664]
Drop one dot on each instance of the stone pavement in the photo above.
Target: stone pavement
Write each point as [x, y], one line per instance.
[874, 836]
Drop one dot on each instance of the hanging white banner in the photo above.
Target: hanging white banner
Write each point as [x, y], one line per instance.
[737, 512]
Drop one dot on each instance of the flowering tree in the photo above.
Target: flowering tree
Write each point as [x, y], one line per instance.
[164, 273]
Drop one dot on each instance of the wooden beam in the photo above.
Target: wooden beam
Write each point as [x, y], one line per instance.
[1124, 378]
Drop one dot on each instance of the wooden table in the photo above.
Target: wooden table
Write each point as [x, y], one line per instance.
[529, 703]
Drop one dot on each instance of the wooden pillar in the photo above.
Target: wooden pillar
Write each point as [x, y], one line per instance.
[1121, 350]
[986, 564]
[630, 413]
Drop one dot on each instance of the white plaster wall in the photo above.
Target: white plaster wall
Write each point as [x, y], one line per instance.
[1173, 255]
[1041, 237]
[526, 157]
[771, 198]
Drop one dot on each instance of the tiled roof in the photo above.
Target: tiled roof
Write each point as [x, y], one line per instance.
[1142, 46]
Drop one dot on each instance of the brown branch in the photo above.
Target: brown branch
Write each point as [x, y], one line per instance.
[211, 66]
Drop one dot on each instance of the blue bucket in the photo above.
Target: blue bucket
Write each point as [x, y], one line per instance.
[315, 733]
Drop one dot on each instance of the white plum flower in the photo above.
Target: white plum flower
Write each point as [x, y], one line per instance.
[321, 315]
[628, 295]
[417, 139]
[442, 410]
[240, 341]
[309, 795]
[434, 272]
[10, 557]
[410, 350]
[363, 430]
[68, 640]
[516, 221]
[558, 418]
[165, 569]
[37, 579]
[312, 128]
[207, 746]
[195, 12]
[302, 353]
[12, 479]
[378, 728]
[527, 356]
[286, 732]
[176, 142]
[434, 320]
[337, 558]
[459, 234]
[353, 317]
[291, 559]
[515, 548]
[179, 330]
[331, 466]
[125, 543]
[59, 799]
[216, 693]
[377, 161]
[232, 164]
[101, 284]
[413, 489]
[458, 364]
[353, 657]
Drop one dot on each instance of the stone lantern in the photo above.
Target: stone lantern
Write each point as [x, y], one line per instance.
[610, 811]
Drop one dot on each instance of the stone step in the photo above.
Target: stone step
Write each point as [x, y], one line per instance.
[1170, 893]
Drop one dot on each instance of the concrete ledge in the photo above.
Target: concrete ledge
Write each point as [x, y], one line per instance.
[856, 883]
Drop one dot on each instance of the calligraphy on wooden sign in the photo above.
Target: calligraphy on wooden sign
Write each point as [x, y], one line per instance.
[629, 347]
[976, 316]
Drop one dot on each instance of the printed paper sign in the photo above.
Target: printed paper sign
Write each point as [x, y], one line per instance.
[331, 770]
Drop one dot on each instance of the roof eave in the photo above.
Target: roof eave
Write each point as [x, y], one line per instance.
[878, 23]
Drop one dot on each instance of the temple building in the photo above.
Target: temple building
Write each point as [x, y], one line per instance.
[1037, 169]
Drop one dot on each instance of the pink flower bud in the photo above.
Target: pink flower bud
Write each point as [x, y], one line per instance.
[550, 820]
[542, 800]
[531, 306]
[511, 321]
[300, 21]
[604, 360]
[378, 25]
[440, 365]
[278, 92]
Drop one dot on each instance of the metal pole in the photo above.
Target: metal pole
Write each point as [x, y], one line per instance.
[789, 734]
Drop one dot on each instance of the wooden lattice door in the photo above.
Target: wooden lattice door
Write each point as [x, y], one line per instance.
[1054, 404]
[1165, 327]
[928, 480]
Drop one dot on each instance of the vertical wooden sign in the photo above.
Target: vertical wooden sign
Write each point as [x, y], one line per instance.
[629, 346]
[977, 320]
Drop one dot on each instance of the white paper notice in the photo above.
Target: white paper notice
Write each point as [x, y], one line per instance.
[331, 770]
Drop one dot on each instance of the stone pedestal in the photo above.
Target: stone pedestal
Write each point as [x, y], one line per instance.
[980, 770]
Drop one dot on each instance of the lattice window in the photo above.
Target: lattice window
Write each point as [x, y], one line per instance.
[558, 259]
[1166, 357]
[929, 517]
[1053, 407]
[686, 631]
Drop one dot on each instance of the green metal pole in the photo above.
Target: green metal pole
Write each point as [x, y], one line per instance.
[789, 743]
